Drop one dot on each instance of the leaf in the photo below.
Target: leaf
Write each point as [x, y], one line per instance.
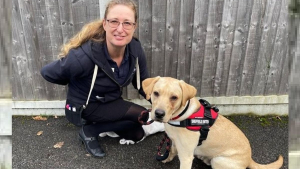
[39, 118]
[58, 145]
[39, 133]
[278, 118]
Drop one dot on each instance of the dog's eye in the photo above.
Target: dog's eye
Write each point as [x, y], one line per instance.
[156, 94]
[174, 98]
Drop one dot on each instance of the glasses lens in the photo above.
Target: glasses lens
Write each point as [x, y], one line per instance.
[127, 25]
[113, 23]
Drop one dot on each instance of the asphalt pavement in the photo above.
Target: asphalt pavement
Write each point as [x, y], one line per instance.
[268, 136]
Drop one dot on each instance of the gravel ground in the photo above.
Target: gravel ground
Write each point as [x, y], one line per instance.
[268, 136]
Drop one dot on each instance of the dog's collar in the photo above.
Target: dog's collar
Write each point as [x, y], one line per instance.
[185, 109]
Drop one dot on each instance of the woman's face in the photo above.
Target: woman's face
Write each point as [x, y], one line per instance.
[119, 35]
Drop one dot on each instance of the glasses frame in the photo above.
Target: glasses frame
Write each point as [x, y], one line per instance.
[109, 22]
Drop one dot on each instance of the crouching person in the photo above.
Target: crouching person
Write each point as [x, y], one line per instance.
[107, 44]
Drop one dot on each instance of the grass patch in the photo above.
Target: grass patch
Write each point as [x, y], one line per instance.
[243, 120]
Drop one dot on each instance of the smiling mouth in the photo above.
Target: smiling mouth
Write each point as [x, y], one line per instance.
[118, 37]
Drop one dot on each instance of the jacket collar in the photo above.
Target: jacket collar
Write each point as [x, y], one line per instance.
[97, 51]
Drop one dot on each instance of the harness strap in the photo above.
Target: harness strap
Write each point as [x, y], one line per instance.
[203, 134]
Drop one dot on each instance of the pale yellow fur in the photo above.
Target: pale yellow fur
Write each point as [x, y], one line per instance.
[226, 146]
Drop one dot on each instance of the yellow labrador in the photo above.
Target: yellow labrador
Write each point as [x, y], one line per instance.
[226, 146]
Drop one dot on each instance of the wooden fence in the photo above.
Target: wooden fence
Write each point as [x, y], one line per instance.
[222, 47]
[5, 48]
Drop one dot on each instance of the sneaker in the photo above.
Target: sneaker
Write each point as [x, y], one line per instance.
[109, 133]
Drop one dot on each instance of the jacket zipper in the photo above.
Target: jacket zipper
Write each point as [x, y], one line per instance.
[112, 78]
[115, 80]
[131, 73]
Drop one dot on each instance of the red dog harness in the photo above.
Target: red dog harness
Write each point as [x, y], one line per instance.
[200, 121]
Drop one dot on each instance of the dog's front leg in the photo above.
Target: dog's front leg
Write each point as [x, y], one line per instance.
[186, 158]
[172, 154]
[185, 147]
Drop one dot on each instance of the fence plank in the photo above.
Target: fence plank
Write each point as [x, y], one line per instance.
[185, 40]
[84, 11]
[92, 10]
[252, 49]
[56, 38]
[78, 11]
[158, 37]
[22, 87]
[32, 49]
[266, 46]
[225, 47]
[198, 43]
[45, 54]
[67, 23]
[239, 47]
[172, 38]
[285, 74]
[5, 48]
[211, 46]
[279, 52]
[144, 28]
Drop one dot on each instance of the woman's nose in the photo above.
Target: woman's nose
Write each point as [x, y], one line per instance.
[120, 28]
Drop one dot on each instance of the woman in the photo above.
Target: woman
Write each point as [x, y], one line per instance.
[108, 43]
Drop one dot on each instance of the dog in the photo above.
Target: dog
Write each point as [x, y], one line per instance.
[226, 146]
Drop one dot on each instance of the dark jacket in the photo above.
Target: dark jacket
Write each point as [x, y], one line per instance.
[77, 68]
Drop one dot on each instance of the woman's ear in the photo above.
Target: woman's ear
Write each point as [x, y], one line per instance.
[148, 85]
[104, 24]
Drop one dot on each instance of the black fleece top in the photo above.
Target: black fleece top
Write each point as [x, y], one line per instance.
[77, 68]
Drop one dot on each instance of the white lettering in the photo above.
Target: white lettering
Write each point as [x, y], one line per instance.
[198, 121]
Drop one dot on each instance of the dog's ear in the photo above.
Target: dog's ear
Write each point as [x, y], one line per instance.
[188, 92]
[148, 85]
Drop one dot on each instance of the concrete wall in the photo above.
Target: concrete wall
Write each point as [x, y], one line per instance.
[259, 105]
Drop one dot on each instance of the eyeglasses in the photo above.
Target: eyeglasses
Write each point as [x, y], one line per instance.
[115, 24]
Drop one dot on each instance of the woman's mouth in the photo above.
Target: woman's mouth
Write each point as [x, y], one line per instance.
[118, 37]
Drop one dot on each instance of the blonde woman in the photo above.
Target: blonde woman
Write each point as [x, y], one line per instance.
[108, 43]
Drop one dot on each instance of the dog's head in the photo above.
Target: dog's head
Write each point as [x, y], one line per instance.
[168, 95]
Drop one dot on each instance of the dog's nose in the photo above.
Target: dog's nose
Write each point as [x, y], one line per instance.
[159, 113]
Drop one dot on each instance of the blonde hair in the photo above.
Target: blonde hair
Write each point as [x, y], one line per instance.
[94, 30]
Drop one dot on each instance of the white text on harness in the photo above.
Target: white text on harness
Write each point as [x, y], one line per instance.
[199, 122]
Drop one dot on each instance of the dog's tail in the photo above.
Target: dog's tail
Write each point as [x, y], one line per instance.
[275, 165]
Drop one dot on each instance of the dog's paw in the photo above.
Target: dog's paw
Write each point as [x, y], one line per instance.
[167, 160]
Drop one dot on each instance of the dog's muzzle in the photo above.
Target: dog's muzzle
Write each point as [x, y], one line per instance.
[159, 114]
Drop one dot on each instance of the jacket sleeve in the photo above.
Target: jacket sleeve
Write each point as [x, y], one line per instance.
[143, 72]
[62, 70]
